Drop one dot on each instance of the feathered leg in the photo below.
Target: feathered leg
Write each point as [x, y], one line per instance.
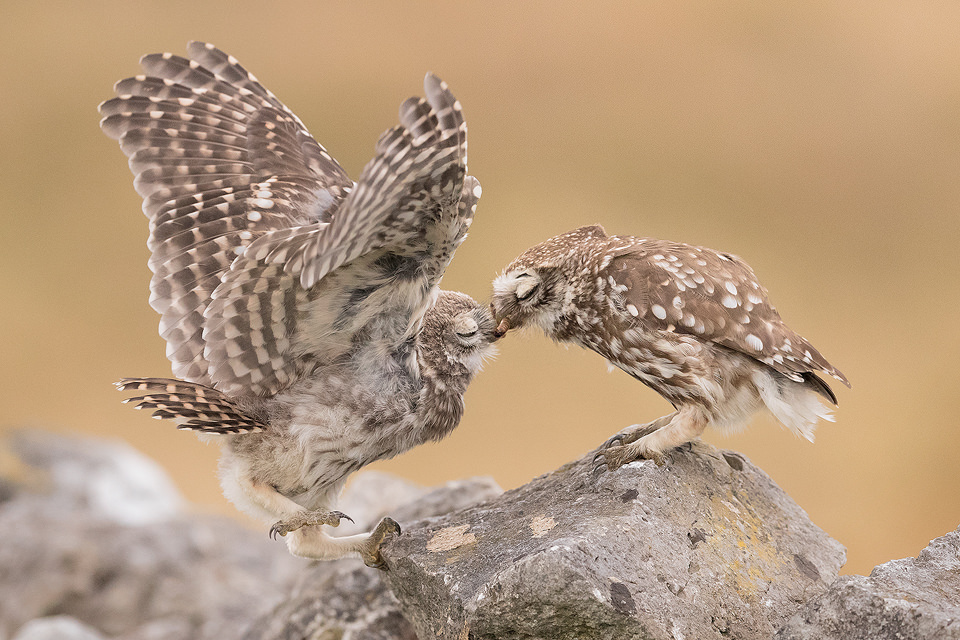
[641, 443]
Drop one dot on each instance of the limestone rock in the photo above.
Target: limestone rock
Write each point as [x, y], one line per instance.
[107, 479]
[916, 598]
[57, 628]
[92, 530]
[706, 546]
[347, 600]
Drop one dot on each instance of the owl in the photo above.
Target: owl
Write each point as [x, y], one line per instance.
[301, 310]
[691, 323]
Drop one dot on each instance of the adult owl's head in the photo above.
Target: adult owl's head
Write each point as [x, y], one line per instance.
[534, 289]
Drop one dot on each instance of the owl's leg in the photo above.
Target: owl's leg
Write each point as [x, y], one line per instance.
[304, 534]
[307, 519]
[679, 427]
[636, 431]
[312, 542]
[292, 515]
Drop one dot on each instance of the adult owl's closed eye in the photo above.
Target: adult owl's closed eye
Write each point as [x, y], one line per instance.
[691, 323]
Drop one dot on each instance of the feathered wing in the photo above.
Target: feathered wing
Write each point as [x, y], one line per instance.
[711, 295]
[389, 244]
[219, 162]
[248, 213]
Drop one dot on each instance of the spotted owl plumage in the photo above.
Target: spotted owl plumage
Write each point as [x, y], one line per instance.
[691, 323]
[301, 310]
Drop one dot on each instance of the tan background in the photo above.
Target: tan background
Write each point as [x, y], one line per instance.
[820, 141]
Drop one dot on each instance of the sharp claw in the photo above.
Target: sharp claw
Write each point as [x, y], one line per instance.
[373, 558]
[343, 516]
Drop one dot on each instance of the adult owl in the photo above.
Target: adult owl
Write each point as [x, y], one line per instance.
[301, 310]
[689, 322]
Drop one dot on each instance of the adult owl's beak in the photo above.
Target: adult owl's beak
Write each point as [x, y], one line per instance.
[502, 328]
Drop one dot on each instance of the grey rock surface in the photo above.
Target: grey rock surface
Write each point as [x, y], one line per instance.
[91, 530]
[706, 546]
[106, 479]
[916, 598]
[57, 628]
[345, 600]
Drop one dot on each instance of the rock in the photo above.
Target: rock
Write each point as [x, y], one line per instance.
[371, 495]
[916, 598]
[705, 547]
[107, 479]
[57, 628]
[347, 600]
[66, 533]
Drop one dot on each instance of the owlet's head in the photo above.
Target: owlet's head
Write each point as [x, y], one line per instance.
[457, 336]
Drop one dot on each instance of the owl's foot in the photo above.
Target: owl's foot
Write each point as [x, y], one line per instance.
[614, 457]
[618, 455]
[370, 551]
[307, 519]
[628, 446]
[635, 432]
[651, 441]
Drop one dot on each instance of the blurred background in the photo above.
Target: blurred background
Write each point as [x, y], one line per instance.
[819, 141]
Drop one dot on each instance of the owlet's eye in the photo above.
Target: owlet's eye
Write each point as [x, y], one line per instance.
[466, 327]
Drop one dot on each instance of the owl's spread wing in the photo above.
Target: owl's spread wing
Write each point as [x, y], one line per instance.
[711, 295]
[248, 213]
[219, 162]
[412, 185]
[382, 255]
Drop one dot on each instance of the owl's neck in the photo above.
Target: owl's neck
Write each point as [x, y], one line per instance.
[441, 404]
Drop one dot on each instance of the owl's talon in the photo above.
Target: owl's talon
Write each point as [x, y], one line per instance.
[618, 455]
[370, 554]
[340, 515]
[307, 519]
[658, 458]
[615, 441]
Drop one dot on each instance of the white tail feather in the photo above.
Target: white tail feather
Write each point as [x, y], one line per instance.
[792, 403]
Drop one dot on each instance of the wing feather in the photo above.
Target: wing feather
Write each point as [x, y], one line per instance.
[712, 295]
[412, 206]
[248, 214]
[219, 161]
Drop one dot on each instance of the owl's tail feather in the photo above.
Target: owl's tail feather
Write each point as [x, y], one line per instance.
[818, 384]
[797, 405]
[192, 406]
